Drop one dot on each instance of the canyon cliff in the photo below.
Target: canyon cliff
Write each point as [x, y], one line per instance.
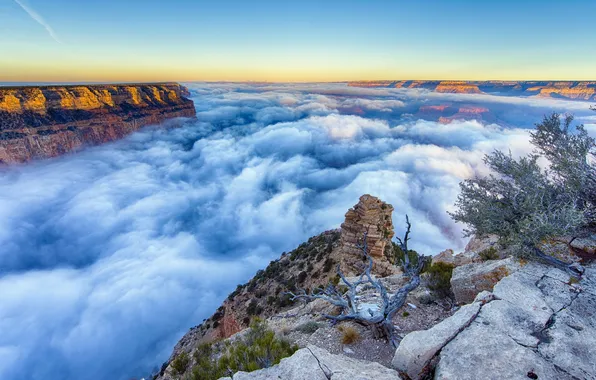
[48, 121]
[570, 90]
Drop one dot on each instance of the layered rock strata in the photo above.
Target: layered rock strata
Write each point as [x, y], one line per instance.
[48, 121]
[370, 217]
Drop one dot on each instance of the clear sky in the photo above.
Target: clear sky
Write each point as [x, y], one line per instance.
[154, 40]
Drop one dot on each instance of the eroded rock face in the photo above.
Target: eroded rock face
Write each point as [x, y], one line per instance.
[314, 363]
[470, 279]
[371, 216]
[48, 121]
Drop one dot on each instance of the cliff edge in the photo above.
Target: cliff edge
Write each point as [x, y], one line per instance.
[568, 90]
[48, 121]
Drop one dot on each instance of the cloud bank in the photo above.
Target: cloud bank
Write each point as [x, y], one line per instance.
[110, 255]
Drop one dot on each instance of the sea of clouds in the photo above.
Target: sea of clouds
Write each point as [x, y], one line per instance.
[108, 256]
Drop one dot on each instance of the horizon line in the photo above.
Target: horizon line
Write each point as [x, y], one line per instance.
[91, 82]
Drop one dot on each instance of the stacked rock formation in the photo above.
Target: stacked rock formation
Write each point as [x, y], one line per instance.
[372, 217]
[47, 121]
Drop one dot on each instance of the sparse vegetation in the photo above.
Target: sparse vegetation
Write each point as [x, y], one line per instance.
[180, 363]
[258, 348]
[308, 327]
[405, 314]
[523, 203]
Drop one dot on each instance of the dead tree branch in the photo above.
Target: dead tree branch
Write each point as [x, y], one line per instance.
[377, 316]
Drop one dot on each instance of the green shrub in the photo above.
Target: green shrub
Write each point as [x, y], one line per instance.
[405, 314]
[335, 280]
[397, 256]
[328, 265]
[439, 278]
[180, 363]
[524, 202]
[489, 254]
[308, 327]
[258, 348]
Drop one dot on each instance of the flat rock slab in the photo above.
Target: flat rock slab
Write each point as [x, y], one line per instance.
[538, 324]
[485, 352]
[314, 363]
[418, 348]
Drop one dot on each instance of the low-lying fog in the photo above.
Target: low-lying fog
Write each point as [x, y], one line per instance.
[108, 256]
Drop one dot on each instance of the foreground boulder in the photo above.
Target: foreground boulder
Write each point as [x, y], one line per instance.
[469, 280]
[314, 363]
[536, 324]
[417, 350]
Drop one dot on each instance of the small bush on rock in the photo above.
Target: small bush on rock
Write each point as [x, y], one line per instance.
[439, 279]
[180, 363]
[308, 327]
[489, 254]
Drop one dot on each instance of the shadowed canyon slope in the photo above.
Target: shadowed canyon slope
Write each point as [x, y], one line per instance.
[47, 121]
[580, 90]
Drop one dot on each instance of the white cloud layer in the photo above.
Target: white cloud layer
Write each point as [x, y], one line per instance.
[109, 255]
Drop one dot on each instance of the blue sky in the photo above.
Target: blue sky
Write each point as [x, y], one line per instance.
[297, 40]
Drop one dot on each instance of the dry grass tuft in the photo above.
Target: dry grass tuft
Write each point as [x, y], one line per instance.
[349, 334]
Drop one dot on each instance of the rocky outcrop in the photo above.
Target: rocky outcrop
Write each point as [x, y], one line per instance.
[47, 121]
[537, 323]
[314, 363]
[571, 90]
[469, 280]
[372, 217]
[311, 265]
[477, 250]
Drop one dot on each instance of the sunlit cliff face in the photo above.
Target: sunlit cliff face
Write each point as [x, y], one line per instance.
[109, 255]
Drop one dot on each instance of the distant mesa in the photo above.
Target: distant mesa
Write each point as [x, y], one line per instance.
[570, 90]
[48, 121]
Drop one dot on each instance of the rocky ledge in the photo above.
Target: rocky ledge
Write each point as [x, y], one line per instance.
[48, 121]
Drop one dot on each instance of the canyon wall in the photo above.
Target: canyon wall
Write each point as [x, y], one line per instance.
[571, 90]
[48, 121]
